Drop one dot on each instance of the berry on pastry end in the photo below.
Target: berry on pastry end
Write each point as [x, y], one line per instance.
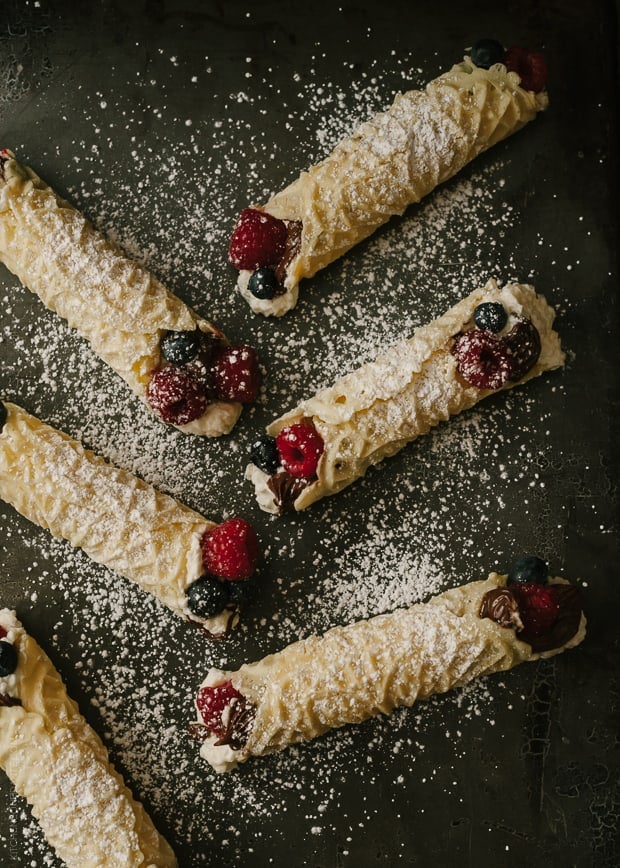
[258, 240]
[176, 396]
[230, 550]
[529, 65]
[197, 368]
[235, 374]
[300, 447]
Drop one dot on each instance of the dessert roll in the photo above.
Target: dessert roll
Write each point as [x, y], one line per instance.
[491, 340]
[387, 164]
[371, 667]
[194, 566]
[59, 764]
[179, 363]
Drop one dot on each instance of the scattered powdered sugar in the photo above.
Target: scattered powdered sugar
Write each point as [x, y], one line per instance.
[438, 515]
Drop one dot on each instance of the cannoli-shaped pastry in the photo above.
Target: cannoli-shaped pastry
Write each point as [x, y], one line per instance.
[387, 164]
[61, 766]
[194, 566]
[179, 363]
[493, 339]
[353, 673]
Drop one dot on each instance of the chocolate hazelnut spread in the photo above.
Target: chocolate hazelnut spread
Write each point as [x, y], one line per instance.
[291, 249]
[239, 725]
[7, 700]
[285, 489]
[501, 606]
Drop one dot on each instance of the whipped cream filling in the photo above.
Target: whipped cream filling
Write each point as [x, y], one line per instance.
[9, 622]
[276, 306]
[222, 757]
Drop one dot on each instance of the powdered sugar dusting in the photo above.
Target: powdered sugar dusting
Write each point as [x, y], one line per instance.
[448, 509]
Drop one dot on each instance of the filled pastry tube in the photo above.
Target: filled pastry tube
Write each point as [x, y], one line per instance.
[368, 668]
[179, 363]
[493, 339]
[59, 764]
[193, 565]
[387, 164]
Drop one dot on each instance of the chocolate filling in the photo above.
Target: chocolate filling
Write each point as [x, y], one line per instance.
[239, 726]
[500, 605]
[286, 489]
[293, 243]
[8, 701]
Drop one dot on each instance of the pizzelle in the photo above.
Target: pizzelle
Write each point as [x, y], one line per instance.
[60, 765]
[388, 163]
[169, 356]
[373, 666]
[121, 521]
[331, 439]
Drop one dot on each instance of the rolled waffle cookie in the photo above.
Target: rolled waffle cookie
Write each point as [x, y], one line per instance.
[179, 363]
[368, 668]
[387, 164]
[493, 339]
[194, 566]
[60, 765]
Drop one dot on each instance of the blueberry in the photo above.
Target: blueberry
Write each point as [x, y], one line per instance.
[179, 348]
[263, 283]
[528, 569]
[207, 597]
[264, 454]
[8, 659]
[486, 52]
[491, 316]
[3, 415]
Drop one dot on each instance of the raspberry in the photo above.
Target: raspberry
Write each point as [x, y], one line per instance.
[258, 239]
[212, 702]
[539, 607]
[300, 447]
[482, 360]
[175, 396]
[522, 345]
[529, 65]
[230, 550]
[235, 374]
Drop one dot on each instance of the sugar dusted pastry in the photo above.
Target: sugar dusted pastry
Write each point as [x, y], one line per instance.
[179, 363]
[59, 764]
[491, 340]
[194, 566]
[387, 164]
[356, 672]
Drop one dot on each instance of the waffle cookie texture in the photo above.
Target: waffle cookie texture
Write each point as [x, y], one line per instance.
[60, 765]
[391, 162]
[118, 306]
[373, 666]
[116, 518]
[376, 410]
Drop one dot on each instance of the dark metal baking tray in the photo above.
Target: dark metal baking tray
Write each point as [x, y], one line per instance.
[161, 120]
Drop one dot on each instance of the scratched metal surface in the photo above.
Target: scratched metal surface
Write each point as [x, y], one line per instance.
[524, 771]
